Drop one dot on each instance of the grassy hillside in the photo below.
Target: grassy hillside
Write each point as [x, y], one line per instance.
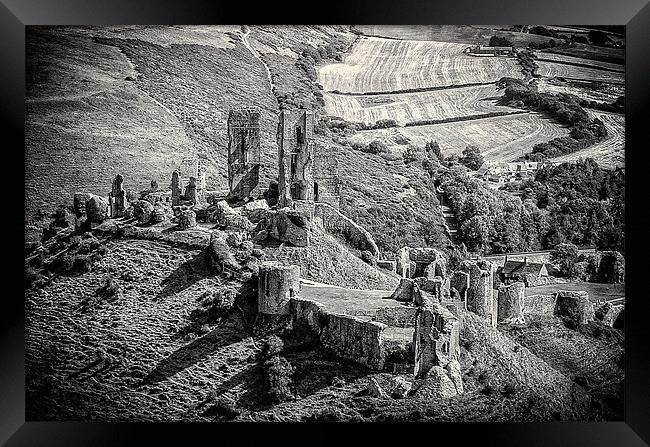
[101, 104]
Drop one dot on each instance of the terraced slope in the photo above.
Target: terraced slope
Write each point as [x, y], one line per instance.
[566, 59]
[412, 107]
[610, 152]
[386, 65]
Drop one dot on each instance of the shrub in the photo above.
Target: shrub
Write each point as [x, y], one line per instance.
[368, 257]
[376, 147]
[273, 346]
[32, 277]
[279, 373]
[472, 158]
[224, 409]
[109, 290]
[412, 153]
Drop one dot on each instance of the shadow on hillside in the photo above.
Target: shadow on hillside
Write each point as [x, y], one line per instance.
[223, 335]
[188, 273]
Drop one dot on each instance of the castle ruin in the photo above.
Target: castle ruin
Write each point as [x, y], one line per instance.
[295, 156]
[243, 153]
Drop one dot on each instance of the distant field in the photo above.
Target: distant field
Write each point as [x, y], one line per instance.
[386, 65]
[604, 54]
[550, 57]
[466, 34]
[554, 69]
[502, 138]
[607, 92]
[609, 153]
[596, 291]
[411, 107]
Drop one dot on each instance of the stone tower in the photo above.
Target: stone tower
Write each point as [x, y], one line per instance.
[295, 156]
[117, 197]
[243, 153]
[327, 184]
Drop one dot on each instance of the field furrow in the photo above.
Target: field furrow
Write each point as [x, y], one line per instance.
[502, 138]
[386, 65]
[554, 69]
[563, 58]
[412, 107]
[609, 153]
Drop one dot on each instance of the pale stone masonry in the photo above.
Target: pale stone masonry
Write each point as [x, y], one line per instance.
[295, 137]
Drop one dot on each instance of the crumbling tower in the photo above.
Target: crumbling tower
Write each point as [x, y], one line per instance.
[327, 184]
[117, 197]
[295, 156]
[243, 153]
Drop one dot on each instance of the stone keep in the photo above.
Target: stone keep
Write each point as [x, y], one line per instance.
[277, 284]
[243, 153]
[511, 303]
[480, 295]
[117, 197]
[295, 156]
[436, 338]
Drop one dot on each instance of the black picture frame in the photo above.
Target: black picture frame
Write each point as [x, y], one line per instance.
[635, 14]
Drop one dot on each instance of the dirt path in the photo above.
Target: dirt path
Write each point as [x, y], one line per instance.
[244, 39]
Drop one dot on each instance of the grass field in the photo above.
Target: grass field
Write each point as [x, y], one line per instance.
[386, 65]
[465, 34]
[609, 153]
[555, 69]
[604, 54]
[563, 58]
[411, 107]
[502, 138]
[605, 93]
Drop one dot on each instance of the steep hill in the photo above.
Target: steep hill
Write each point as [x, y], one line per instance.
[137, 100]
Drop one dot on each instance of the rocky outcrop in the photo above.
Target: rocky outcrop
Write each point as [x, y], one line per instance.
[355, 339]
[574, 307]
[287, 225]
[511, 303]
[142, 211]
[96, 209]
[227, 218]
[187, 219]
[436, 384]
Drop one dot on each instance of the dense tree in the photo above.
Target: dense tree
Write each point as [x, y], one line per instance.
[472, 158]
[565, 256]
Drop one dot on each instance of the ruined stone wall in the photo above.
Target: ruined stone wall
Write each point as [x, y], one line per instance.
[327, 183]
[336, 223]
[295, 156]
[308, 316]
[574, 306]
[243, 153]
[397, 316]
[539, 304]
[436, 338]
[277, 284]
[355, 339]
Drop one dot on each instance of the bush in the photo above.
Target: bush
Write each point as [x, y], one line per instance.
[110, 290]
[376, 147]
[368, 258]
[279, 373]
[472, 158]
[273, 346]
[412, 153]
[224, 409]
[498, 41]
[33, 277]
